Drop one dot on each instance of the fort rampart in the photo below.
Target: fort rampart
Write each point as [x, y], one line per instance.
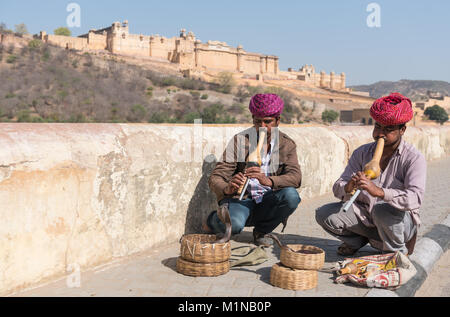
[191, 55]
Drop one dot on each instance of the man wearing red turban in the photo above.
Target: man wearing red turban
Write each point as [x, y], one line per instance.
[271, 196]
[386, 212]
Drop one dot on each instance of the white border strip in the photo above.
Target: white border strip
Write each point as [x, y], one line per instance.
[426, 253]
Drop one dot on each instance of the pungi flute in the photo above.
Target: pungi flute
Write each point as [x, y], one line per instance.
[371, 170]
[254, 159]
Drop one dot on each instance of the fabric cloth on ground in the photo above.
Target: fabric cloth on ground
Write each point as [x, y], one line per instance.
[382, 271]
[247, 256]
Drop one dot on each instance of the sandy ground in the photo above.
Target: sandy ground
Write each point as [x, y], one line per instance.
[438, 282]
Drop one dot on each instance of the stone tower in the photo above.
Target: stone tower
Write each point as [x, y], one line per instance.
[342, 81]
[118, 34]
[332, 81]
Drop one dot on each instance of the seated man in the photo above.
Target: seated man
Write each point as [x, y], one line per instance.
[271, 196]
[386, 212]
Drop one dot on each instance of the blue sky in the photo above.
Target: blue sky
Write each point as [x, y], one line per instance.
[412, 42]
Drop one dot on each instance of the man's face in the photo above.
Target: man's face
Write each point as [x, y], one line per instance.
[266, 122]
[390, 133]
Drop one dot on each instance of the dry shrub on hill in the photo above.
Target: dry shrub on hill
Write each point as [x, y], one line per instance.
[42, 83]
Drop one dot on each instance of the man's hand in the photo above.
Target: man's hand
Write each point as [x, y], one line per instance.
[362, 182]
[255, 172]
[351, 185]
[233, 186]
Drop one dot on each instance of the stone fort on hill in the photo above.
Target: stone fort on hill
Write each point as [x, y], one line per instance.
[191, 55]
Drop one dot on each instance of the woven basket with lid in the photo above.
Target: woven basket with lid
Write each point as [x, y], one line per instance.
[206, 254]
[302, 257]
[201, 248]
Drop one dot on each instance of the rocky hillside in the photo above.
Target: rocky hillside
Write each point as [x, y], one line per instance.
[415, 89]
[44, 83]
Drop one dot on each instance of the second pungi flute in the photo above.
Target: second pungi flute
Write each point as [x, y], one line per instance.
[371, 170]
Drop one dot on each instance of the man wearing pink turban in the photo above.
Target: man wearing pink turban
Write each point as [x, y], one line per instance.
[271, 196]
[386, 212]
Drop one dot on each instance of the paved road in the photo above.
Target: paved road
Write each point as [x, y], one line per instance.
[437, 283]
[153, 273]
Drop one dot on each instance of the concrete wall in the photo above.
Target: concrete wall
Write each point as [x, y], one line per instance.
[85, 194]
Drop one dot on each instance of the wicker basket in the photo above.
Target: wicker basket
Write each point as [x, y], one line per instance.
[202, 269]
[292, 279]
[306, 257]
[200, 248]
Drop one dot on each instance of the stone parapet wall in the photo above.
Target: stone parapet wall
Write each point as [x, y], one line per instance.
[307, 73]
[11, 39]
[81, 195]
[97, 41]
[76, 43]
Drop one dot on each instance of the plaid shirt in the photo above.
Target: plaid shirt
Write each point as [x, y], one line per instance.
[255, 189]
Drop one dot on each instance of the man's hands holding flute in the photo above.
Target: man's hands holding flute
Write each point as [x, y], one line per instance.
[361, 181]
[238, 180]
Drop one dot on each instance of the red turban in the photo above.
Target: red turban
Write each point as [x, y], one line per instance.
[394, 109]
[266, 105]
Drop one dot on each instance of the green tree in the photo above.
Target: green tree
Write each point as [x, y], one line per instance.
[226, 82]
[4, 29]
[215, 113]
[24, 116]
[168, 81]
[138, 112]
[34, 44]
[21, 29]
[212, 113]
[160, 117]
[11, 59]
[329, 116]
[62, 31]
[190, 117]
[436, 113]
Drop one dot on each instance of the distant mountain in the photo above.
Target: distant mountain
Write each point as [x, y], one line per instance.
[413, 89]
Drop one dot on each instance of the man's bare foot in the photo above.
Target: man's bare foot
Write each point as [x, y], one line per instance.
[346, 250]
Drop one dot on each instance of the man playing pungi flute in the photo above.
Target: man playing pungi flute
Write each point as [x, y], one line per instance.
[386, 212]
[271, 196]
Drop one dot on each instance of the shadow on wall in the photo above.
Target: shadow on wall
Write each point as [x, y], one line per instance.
[203, 201]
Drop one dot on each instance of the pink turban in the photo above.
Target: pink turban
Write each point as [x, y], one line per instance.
[266, 105]
[394, 109]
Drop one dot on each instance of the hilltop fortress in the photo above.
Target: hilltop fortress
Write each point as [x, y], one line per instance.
[191, 55]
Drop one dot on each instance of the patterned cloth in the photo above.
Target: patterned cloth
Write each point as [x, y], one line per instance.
[383, 271]
[266, 105]
[394, 109]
